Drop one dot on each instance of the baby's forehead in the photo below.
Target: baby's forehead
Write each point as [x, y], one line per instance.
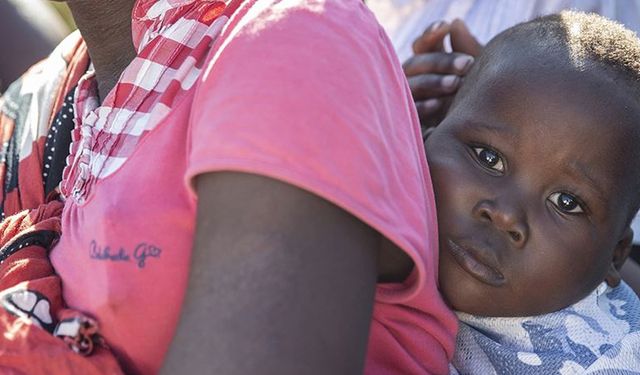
[523, 72]
[548, 96]
[572, 77]
[565, 118]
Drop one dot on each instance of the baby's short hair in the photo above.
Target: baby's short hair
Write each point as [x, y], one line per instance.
[586, 39]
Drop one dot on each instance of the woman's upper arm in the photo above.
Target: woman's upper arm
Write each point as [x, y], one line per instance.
[282, 282]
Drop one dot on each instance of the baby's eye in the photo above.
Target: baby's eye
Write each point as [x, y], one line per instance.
[566, 203]
[489, 158]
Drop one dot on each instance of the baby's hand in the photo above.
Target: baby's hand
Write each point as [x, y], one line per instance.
[434, 75]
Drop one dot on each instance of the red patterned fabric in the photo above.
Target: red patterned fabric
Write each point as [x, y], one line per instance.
[28, 108]
[166, 68]
[31, 305]
[41, 336]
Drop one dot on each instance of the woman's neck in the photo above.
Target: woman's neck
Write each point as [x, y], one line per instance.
[106, 28]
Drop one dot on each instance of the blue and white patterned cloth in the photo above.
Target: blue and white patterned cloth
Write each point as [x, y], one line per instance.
[598, 335]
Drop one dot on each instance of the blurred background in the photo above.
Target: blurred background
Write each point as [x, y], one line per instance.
[30, 30]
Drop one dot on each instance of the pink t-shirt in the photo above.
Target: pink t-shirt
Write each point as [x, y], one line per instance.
[305, 91]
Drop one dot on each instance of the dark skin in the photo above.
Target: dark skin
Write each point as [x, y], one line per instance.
[106, 28]
[283, 279]
[426, 71]
[531, 219]
[435, 75]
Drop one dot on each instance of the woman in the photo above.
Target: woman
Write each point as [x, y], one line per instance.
[275, 144]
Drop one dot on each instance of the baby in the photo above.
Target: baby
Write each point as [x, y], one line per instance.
[536, 172]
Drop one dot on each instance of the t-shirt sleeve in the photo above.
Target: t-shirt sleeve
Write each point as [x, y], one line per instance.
[314, 96]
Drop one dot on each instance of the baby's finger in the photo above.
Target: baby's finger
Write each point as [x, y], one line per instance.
[428, 86]
[462, 40]
[438, 62]
[427, 108]
[432, 40]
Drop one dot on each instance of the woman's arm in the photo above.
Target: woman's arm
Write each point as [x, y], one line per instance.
[282, 282]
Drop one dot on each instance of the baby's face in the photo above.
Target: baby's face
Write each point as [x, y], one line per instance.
[533, 182]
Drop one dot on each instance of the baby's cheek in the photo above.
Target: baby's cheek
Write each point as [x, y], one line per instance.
[558, 281]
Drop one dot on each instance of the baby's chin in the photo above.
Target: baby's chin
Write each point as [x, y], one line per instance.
[466, 295]
[463, 293]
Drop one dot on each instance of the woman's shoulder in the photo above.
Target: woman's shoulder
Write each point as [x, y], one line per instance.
[324, 106]
[324, 18]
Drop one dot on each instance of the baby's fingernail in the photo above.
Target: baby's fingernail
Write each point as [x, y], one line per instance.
[432, 104]
[450, 81]
[436, 26]
[462, 63]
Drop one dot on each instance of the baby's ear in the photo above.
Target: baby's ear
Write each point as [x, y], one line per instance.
[620, 254]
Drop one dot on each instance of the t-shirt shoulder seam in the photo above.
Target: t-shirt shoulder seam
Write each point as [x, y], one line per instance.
[336, 196]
